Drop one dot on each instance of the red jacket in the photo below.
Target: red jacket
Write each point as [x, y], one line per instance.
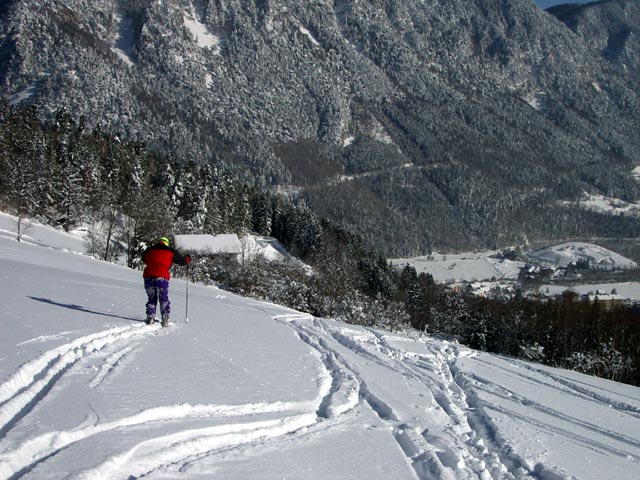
[158, 259]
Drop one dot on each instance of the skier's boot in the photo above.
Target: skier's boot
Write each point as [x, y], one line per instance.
[165, 319]
[150, 319]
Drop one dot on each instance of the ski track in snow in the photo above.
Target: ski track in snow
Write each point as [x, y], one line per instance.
[156, 452]
[31, 382]
[338, 392]
[433, 452]
[110, 364]
[587, 392]
[560, 424]
[454, 436]
[34, 379]
[43, 338]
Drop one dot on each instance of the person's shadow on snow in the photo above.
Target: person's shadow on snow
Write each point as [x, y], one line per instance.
[80, 308]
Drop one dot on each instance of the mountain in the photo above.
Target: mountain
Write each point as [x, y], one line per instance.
[609, 28]
[251, 390]
[417, 124]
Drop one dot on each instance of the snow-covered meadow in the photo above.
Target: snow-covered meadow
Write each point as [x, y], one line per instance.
[571, 252]
[622, 290]
[472, 266]
[479, 266]
[249, 389]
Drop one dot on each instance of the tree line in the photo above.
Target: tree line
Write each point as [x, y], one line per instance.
[67, 175]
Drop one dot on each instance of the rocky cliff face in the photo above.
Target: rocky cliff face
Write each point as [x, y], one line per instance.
[417, 123]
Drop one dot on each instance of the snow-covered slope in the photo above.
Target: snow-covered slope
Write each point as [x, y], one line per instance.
[37, 234]
[248, 389]
[566, 253]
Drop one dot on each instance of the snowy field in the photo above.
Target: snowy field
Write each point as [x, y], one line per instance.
[565, 253]
[251, 390]
[623, 290]
[608, 205]
[483, 266]
[463, 267]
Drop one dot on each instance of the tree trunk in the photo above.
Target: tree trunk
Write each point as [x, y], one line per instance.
[19, 227]
[108, 242]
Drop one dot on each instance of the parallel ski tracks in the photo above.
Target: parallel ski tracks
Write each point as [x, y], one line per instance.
[31, 382]
[576, 389]
[453, 438]
[157, 452]
[466, 447]
[258, 424]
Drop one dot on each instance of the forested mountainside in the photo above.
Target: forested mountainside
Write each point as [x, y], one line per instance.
[610, 28]
[416, 124]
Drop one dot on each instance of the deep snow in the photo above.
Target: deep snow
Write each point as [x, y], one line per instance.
[248, 389]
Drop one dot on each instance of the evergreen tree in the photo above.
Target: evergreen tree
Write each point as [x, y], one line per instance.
[241, 214]
[213, 220]
[262, 214]
[22, 162]
[68, 192]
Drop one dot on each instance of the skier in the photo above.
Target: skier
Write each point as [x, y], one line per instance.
[158, 260]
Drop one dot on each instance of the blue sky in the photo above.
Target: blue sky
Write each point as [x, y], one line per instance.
[551, 3]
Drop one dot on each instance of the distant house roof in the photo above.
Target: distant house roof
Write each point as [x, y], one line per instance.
[217, 244]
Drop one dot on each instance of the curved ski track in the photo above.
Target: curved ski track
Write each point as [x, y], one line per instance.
[31, 382]
[465, 447]
[452, 441]
[453, 436]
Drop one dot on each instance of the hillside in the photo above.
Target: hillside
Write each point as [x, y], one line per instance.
[416, 124]
[609, 28]
[248, 389]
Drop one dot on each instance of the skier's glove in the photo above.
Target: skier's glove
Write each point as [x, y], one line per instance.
[187, 260]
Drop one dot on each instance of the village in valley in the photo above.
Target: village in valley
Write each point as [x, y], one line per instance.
[582, 269]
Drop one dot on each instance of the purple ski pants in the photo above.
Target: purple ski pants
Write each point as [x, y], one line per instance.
[157, 289]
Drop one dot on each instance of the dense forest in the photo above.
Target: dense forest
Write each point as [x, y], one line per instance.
[417, 125]
[68, 176]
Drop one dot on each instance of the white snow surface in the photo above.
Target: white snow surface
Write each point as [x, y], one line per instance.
[37, 234]
[624, 290]
[537, 100]
[608, 205]
[223, 243]
[201, 34]
[249, 389]
[306, 32]
[472, 266]
[250, 246]
[25, 94]
[566, 253]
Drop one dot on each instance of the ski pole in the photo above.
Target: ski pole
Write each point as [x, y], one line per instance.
[186, 313]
